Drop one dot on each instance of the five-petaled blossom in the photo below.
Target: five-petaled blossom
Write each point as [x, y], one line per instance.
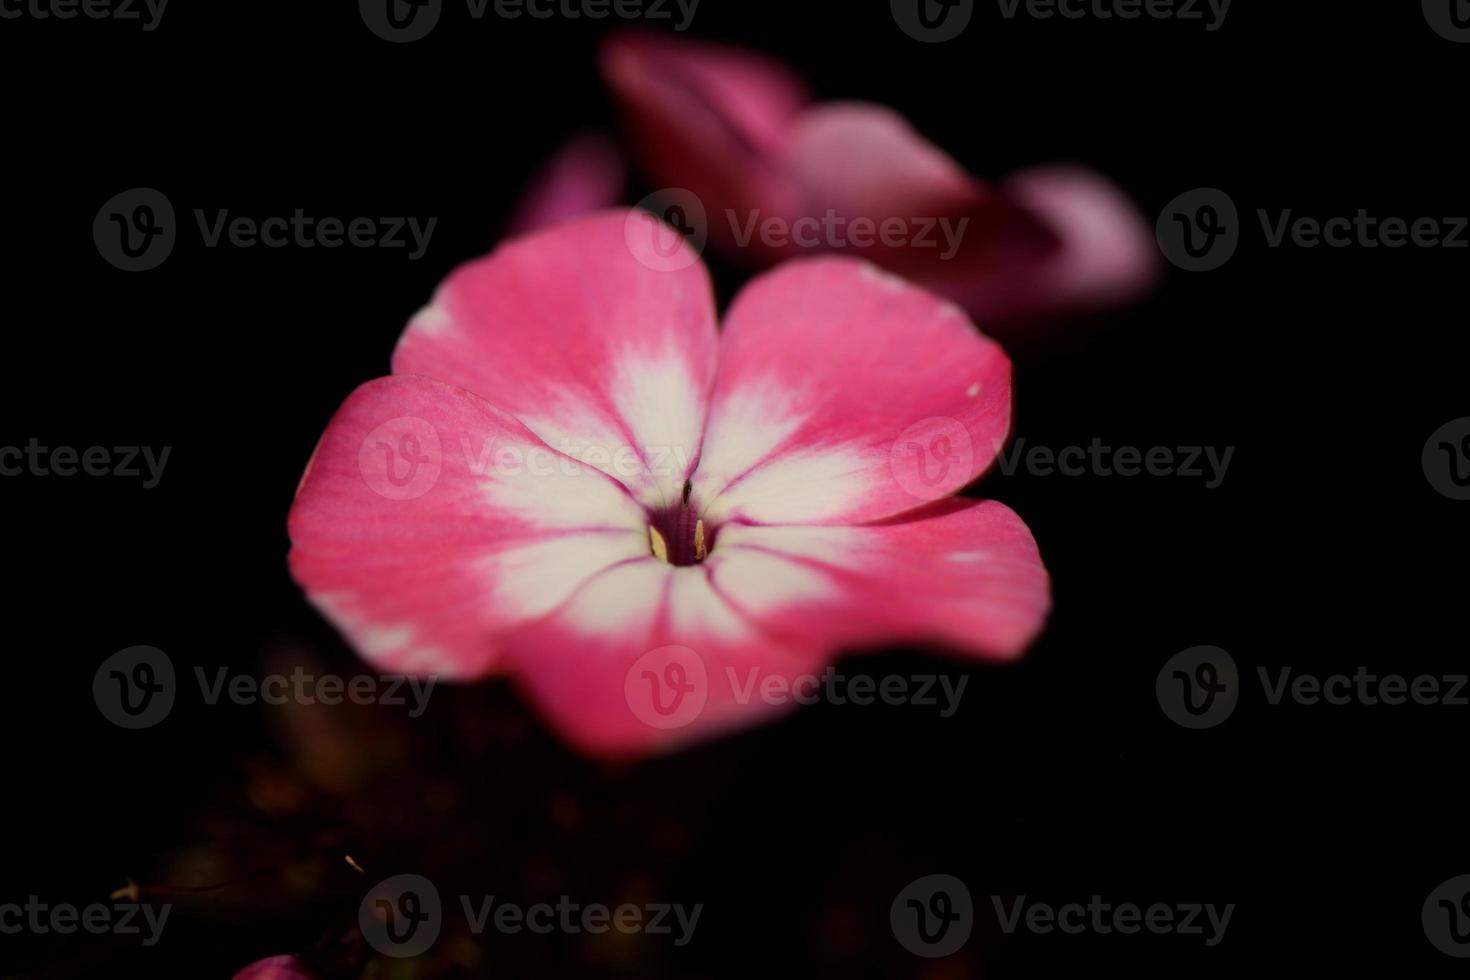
[574, 477]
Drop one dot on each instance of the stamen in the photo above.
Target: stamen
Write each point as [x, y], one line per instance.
[699, 549]
[657, 542]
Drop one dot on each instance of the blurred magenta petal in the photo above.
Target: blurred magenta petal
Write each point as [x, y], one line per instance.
[557, 483]
[1106, 257]
[734, 128]
[709, 119]
[587, 173]
[275, 968]
[866, 160]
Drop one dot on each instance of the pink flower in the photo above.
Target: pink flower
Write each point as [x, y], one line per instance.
[739, 132]
[574, 478]
[275, 968]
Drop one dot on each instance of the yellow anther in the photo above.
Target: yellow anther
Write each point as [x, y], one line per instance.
[657, 542]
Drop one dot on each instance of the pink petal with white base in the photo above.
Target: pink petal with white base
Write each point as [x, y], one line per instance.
[598, 334]
[964, 574]
[647, 655]
[846, 395]
[429, 523]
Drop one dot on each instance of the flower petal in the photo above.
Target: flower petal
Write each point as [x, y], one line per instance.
[864, 161]
[430, 522]
[846, 395]
[586, 173]
[275, 968]
[647, 656]
[962, 573]
[1049, 243]
[1106, 254]
[709, 119]
[598, 334]
[737, 130]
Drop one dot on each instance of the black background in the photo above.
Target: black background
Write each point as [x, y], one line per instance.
[1060, 778]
